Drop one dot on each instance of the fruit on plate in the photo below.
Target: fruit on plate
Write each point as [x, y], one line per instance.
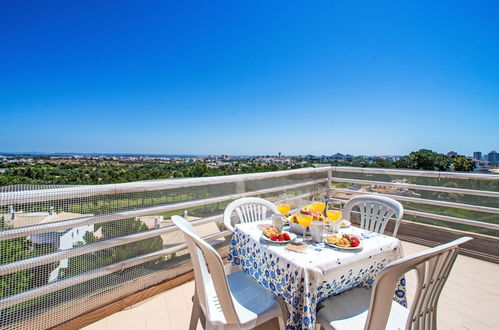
[344, 240]
[306, 210]
[343, 223]
[354, 241]
[316, 216]
[269, 231]
[274, 235]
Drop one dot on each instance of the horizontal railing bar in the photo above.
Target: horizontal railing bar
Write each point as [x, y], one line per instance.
[30, 196]
[425, 201]
[444, 218]
[431, 174]
[309, 194]
[63, 225]
[89, 248]
[421, 187]
[92, 274]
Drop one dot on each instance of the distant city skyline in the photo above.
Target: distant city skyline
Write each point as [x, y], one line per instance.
[249, 78]
[277, 154]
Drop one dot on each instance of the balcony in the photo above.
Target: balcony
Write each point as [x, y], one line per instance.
[74, 255]
[467, 288]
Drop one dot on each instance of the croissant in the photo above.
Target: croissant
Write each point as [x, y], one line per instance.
[269, 231]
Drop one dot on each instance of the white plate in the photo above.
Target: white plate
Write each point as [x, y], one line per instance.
[291, 236]
[349, 248]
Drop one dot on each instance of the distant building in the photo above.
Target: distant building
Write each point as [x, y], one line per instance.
[59, 240]
[493, 158]
[477, 155]
[151, 221]
[452, 154]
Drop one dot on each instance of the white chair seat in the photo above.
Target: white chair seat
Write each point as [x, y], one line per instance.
[251, 301]
[348, 311]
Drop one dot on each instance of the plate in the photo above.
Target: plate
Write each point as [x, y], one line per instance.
[348, 224]
[291, 235]
[348, 248]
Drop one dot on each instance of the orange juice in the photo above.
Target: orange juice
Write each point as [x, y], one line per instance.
[304, 220]
[283, 208]
[318, 206]
[334, 215]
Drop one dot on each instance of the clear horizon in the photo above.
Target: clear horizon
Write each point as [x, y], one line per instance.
[249, 78]
[68, 153]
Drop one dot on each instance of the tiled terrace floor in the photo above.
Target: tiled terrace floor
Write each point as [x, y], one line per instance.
[470, 300]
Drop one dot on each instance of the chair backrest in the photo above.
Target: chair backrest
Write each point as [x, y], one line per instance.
[432, 267]
[375, 212]
[248, 209]
[203, 254]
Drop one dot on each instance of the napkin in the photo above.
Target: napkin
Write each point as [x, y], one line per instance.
[296, 247]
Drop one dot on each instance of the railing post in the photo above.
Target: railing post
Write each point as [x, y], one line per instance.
[240, 187]
[329, 189]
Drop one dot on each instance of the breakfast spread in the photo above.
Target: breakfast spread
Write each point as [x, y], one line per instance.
[316, 216]
[344, 240]
[274, 235]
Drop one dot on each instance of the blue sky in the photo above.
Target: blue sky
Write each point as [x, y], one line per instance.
[249, 77]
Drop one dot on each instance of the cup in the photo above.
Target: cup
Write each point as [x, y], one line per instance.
[337, 226]
[317, 231]
[277, 221]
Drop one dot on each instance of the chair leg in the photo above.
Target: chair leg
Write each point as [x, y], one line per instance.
[195, 315]
[282, 324]
[284, 313]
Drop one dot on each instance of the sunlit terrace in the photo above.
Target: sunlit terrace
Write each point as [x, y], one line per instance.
[109, 257]
[468, 287]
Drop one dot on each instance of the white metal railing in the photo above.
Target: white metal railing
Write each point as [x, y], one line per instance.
[426, 174]
[141, 186]
[56, 226]
[328, 178]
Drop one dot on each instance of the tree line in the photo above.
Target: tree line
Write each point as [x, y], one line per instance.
[104, 172]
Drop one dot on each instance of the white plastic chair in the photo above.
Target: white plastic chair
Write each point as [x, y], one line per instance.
[249, 209]
[375, 309]
[221, 301]
[375, 211]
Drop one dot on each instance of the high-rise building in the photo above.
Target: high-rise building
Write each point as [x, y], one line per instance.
[493, 158]
[477, 155]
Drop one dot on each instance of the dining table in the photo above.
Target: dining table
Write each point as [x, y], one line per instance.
[303, 279]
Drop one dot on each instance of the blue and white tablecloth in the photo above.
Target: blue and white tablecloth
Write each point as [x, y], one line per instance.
[304, 279]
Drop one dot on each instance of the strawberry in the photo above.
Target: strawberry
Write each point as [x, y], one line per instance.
[280, 237]
[346, 236]
[273, 237]
[286, 236]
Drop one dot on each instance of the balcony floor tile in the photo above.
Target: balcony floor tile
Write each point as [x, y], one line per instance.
[470, 300]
